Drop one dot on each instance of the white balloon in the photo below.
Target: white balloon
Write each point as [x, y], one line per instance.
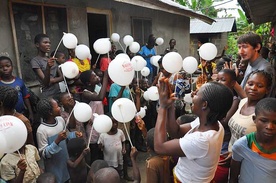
[82, 51]
[153, 93]
[146, 95]
[82, 112]
[120, 71]
[208, 51]
[69, 69]
[102, 45]
[154, 60]
[102, 123]
[172, 62]
[138, 63]
[14, 131]
[90, 57]
[142, 112]
[115, 37]
[123, 110]
[69, 40]
[190, 64]
[188, 98]
[145, 71]
[128, 40]
[134, 47]
[122, 56]
[159, 41]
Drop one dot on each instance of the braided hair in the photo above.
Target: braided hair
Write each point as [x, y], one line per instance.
[266, 104]
[266, 75]
[219, 100]
[44, 108]
[8, 97]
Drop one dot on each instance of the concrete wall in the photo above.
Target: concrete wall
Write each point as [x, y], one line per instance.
[6, 39]
[220, 40]
[164, 24]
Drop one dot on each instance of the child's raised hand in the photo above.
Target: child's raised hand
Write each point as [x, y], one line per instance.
[78, 134]
[51, 62]
[61, 136]
[22, 165]
[140, 123]
[166, 98]
[133, 153]
[86, 151]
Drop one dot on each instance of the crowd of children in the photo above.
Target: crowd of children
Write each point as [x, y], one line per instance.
[231, 135]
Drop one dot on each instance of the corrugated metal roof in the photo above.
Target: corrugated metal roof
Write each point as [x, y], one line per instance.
[221, 25]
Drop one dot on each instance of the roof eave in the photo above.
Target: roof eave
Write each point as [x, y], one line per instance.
[161, 6]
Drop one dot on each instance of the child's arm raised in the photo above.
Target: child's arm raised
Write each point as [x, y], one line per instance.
[74, 164]
[45, 76]
[47, 150]
[93, 96]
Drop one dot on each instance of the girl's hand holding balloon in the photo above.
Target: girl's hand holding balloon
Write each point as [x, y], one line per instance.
[22, 165]
[166, 98]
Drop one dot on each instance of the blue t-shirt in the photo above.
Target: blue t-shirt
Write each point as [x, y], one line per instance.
[19, 85]
[144, 52]
[114, 91]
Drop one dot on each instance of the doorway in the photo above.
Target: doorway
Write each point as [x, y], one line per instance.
[97, 28]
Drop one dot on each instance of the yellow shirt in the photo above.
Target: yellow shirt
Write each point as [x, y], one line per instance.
[84, 65]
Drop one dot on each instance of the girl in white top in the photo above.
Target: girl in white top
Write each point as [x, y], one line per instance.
[197, 145]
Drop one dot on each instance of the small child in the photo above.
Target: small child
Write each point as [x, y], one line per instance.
[8, 100]
[112, 144]
[60, 59]
[67, 102]
[76, 162]
[21, 167]
[254, 155]
[7, 79]
[51, 137]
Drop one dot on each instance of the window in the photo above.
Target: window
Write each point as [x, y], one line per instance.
[30, 20]
[141, 29]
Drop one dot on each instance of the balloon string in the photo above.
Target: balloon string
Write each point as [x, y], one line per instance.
[176, 83]
[137, 79]
[68, 119]
[19, 154]
[97, 59]
[130, 94]
[66, 86]
[191, 82]
[57, 47]
[126, 128]
[121, 45]
[90, 135]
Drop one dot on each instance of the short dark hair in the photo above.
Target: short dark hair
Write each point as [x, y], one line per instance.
[39, 37]
[85, 76]
[231, 73]
[5, 58]
[46, 177]
[97, 165]
[266, 104]
[8, 97]
[186, 118]
[266, 75]
[250, 38]
[75, 147]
